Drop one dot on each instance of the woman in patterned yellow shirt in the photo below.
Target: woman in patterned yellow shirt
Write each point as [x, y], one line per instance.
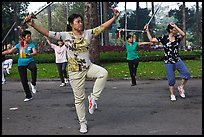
[79, 64]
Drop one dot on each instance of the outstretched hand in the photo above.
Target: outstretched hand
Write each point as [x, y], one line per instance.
[116, 12]
[28, 19]
[146, 27]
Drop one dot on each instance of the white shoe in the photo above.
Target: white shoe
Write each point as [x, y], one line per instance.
[7, 71]
[3, 82]
[27, 99]
[92, 104]
[33, 88]
[83, 128]
[62, 85]
[66, 80]
[173, 97]
[181, 92]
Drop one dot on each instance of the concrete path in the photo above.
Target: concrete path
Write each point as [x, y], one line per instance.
[145, 109]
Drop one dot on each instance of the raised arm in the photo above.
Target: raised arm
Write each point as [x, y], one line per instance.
[146, 28]
[121, 40]
[40, 29]
[48, 41]
[110, 21]
[182, 34]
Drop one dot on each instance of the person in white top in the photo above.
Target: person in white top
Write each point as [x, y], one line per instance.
[61, 59]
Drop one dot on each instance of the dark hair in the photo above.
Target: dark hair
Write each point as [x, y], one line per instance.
[71, 20]
[169, 27]
[128, 36]
[25, 32]
[61, 41]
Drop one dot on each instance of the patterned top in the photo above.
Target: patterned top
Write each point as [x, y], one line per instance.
[77, 48]
[171, 49]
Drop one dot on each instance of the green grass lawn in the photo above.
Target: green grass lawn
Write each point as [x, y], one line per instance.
[146, 70]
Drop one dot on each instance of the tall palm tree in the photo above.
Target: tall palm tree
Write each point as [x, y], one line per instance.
[91, 21]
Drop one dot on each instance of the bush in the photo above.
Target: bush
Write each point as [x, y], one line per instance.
[111, 54]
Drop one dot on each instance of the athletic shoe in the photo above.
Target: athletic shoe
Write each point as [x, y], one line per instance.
[33, 88]
[62, 85]
[7, 71]
[173, 98]
[92, 104]
[3, 82]
[83, 128]
[27, 99]
[66, 80]
[181, 92]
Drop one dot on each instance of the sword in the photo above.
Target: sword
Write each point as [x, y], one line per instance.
[8, 32]
[33, 15]
[131, 30]
[154, 14]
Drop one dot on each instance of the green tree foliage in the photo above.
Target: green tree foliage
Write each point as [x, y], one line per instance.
[190, 21]
[12, 12]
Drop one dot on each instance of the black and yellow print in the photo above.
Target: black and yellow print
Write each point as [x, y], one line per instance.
[98, 30]
[73, 65]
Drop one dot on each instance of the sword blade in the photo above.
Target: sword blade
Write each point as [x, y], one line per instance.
[40, 10]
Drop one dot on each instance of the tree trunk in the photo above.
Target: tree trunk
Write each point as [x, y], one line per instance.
[125, 19]
[49, 20]
[184, 25]
[91, 21]
[105, 14]
[197, 26]
[153, 20]
[137, 19]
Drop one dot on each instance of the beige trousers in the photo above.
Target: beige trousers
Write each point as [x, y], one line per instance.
[77, 82]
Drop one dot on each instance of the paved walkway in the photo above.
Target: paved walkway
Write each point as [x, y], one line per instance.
[145, 109]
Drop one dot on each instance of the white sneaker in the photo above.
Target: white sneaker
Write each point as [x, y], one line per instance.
[62, 85]
[3, 82]
[173, 97]
[83, 128]
[33, 88]
[181, 92]
[92, 104]
[27, 99]
[66, 80]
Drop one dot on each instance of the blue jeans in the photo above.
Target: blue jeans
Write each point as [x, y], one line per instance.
[182, 69]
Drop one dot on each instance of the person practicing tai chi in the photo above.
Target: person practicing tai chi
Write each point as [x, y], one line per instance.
[26, 50]
[7, 64]
[132, 54]
[60, 59]
[79, 64]
[172, 59]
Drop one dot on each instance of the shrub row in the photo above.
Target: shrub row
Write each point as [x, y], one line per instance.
[119, 56]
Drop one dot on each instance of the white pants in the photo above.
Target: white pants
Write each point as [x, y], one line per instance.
[77, 82]
[8, 63]
[3, 78]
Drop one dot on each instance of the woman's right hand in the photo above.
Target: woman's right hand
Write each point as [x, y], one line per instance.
[29, 20]
[146, 27]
